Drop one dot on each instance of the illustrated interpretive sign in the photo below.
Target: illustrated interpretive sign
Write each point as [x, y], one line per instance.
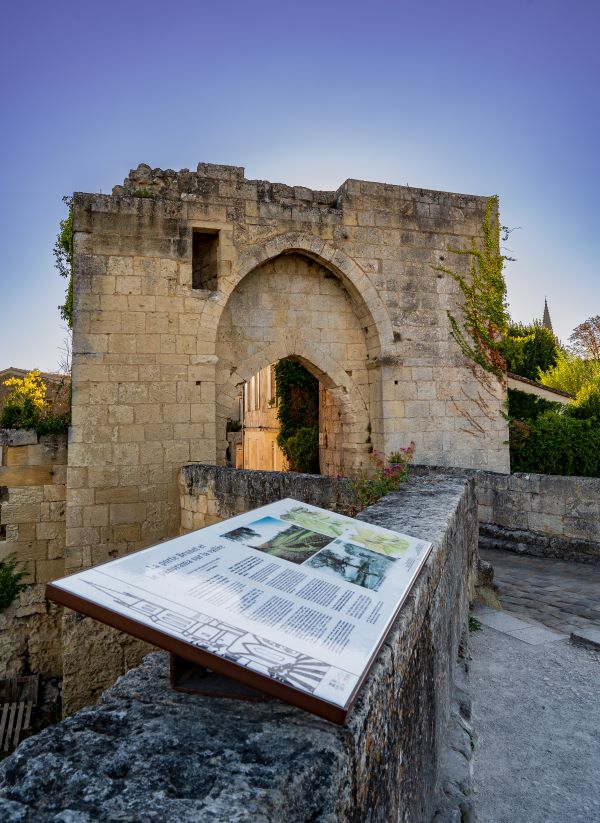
[290, 599]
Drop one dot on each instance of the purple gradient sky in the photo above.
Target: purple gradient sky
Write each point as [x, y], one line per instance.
[463, 96]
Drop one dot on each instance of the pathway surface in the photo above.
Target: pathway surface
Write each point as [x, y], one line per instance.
[536, 714]
[536, 705]
[562, 596]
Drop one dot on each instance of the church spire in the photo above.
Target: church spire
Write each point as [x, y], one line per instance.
[546, 322]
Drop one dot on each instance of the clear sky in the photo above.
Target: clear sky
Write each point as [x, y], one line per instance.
[462, 96]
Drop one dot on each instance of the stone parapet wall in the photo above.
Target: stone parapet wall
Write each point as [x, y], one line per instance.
[539, 514]
[33, 474]
[208, 494]
[543, 515]
[146, 752]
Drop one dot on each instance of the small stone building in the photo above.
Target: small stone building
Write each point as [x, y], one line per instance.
[188, 283]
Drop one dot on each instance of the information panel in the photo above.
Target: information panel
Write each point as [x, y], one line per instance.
[289, 598]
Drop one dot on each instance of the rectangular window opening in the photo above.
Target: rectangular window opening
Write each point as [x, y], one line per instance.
[205, 248]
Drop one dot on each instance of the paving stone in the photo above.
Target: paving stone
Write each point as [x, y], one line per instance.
[586, 637]
[537, 635]
[562, 596]
[501, 621]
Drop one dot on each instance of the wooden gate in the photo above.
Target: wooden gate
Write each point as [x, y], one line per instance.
[18, 696]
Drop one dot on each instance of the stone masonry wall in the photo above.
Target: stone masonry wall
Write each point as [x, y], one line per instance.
[32, 518]
[208, 494]
[148, 753]
[538, 514]
[542, 515]
[343, 281]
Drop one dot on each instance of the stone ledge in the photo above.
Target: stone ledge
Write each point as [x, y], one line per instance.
[18, 437]
[146, 753]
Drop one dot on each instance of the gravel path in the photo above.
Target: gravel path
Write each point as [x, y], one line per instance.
[536, 711]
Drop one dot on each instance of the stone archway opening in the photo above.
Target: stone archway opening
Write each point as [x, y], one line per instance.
[284, 418]
[293, 306]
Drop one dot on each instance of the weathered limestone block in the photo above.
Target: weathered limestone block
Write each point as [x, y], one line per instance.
[148, 753]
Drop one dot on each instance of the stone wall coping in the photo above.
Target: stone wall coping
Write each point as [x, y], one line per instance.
[515, 477]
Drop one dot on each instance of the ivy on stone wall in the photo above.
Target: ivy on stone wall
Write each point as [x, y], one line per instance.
[11, 580]
[63, 255]
[297, 392]
[482, 331]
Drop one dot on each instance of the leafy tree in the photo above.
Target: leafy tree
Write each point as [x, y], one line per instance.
[586, 405]
[586, 338]
[571, 373]
[63, 255]
[529, 349]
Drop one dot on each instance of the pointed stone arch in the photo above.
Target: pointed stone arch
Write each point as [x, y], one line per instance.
[355, 279]
[289, 307]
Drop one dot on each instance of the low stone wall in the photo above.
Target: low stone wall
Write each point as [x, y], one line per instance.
[538, 514]
[542, 515]
[32, 520]
[148, 753]
[208, 494]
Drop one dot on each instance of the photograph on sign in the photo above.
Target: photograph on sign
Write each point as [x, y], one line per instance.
[298, 596]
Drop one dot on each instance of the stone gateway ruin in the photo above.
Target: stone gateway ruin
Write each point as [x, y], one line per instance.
[186, 284]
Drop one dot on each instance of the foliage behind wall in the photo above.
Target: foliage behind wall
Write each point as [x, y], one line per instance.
[297, 393]
[529, 349]
[33, 405]
[63, 255]
[549, 438]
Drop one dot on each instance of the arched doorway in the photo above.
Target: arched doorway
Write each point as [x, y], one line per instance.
[294, 306]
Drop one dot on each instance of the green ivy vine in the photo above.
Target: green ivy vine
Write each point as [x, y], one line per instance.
[297, 392]
[63, 256]
[485, 324]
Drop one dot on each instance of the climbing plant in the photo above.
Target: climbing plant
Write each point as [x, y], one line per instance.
[11, 580]
[297, 392]
[63, 255]
[485, 322]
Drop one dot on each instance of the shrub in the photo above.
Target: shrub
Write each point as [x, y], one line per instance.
[10, 581]
[28, 406]
[302, 450]
[297, 393]
[524, 406]
[556, 443]
[385, 476]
